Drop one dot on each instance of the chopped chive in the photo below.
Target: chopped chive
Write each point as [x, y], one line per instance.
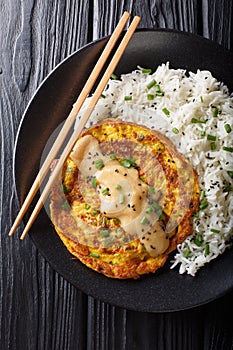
[93, 182]
[95, 212]
[64, 189]
[146, 70]
[99, 164]
[201, 98]
[227, 189]
[166, 111]
[199, 240]
[214, 230]
[204, 205]
[149, 210]
[112, 156]
[140, 136]
[159, 93]
[197, 121]
[87, 206]
[187, 252]
[207, 249]
[151, 84]
[121, 198]
[125, 163]
[213, 146]
[228, 149]
[114, 76]
[150, 97]
[215, 112]
[128, 98]
[175, 130]
[196, 215]
[156, 206]
[211, 137]
[118, 187]
[104, 233]
[203, 133]
[230, 173]
[202, 196]
[144, 221]
[105, 191]
[94, 255]
[227, 128]
[103, 96]
[65, 206]
[151, 189]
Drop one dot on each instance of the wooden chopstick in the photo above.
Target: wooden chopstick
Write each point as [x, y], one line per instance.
[110, 69]
[70, 119]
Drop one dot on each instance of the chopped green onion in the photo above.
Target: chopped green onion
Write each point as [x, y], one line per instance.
[121, 198]
[227, 128]
[118, 187]
[214, 230]
[87, 206]
[228, 149]
[197, 121]
[187, 252]
[144, 221]
[201, 98]
[149, 210]
[95, 212]
[140, 136]
[146, 70]
[203, 133]
[166, 111]
[204, 205]
[99, 164]
[211, 137]
[65, 206]
[150, 97]
[199, 240]
[93, 182]
[227, 189]
[175, 130]
[112, 156]
[126, 163]
[202, 196]
[104, 233]
[213, 146]
[151, 189]
[94, 255]
[128, 98]
[196, 215]
[117, 221]
[114, 76]
[151, 84]
[103, 96]
[215, 112]
[65, 189]
[230, 173]
[105, 191]
[160, 93]
[207, 249]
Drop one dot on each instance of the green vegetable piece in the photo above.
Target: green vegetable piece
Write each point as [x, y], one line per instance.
[227, 128]
[213, 146]
[211, 137]
[166, 111]
[118, 187]
[214, 230]
[99, 164]
[230, 173]
[215, 112]
[146, 70]
[114, 76]
[94, 255]
[202, 196]
[187, 253]
[121, 198]
[228, 149]
[144, 220]
[93, 182]
[175, 130]
[151, 84]
[197, 121]
[104, 233]
[207, 249]
[150, 97]
[128, 98]
[204, 205]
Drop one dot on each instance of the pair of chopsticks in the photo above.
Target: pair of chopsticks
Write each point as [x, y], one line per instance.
[71, 118]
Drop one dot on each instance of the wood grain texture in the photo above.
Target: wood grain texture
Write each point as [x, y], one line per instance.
[38, 308]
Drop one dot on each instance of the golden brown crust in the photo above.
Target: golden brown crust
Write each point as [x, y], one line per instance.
[127, 260]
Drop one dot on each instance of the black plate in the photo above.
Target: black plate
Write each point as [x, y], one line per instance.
[166, 290]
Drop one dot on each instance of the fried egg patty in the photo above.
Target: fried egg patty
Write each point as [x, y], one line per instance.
[101, 241]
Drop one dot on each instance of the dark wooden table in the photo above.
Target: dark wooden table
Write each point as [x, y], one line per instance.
[38, 308]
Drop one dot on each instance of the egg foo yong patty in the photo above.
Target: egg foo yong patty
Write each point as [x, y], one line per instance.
[127, 199]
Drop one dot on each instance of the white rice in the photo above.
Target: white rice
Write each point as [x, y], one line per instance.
[186, 96]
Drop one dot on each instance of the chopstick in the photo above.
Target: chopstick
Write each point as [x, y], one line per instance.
[70, 120]
[97, 94]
